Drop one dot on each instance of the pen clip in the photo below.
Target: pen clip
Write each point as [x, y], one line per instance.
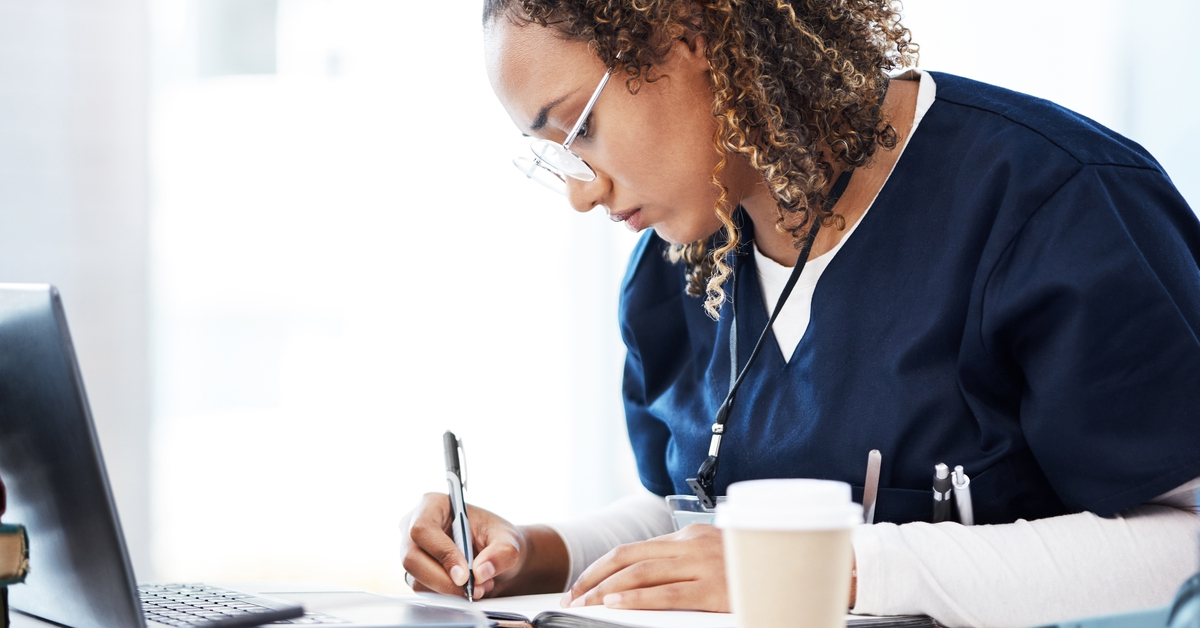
[462, 463]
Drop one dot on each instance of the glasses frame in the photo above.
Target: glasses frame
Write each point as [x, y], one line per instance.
[536, 167]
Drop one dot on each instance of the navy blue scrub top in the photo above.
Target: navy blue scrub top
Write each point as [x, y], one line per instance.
[1023, 299]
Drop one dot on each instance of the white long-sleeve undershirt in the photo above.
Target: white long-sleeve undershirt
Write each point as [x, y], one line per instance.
[1026, 573]
[999, 576]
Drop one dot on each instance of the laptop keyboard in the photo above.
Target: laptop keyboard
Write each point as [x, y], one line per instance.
[204, 606]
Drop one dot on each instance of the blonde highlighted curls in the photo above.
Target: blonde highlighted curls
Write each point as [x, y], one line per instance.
[796, 88]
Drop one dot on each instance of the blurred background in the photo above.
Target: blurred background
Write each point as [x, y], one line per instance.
[293, 251]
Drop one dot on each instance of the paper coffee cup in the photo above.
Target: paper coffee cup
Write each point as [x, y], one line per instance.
[787, 552]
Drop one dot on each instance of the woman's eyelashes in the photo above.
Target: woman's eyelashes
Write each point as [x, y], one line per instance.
[585, 129]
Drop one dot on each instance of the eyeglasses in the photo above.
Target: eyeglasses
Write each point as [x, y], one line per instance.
[552, 162]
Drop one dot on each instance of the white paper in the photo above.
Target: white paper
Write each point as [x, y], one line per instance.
[532, 605]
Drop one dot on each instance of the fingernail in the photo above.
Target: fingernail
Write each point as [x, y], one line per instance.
[612, 599]
[484, 571]
[458, 575]
[577, 603]
[565, 600]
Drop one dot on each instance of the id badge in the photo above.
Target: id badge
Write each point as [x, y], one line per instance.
[687, 509]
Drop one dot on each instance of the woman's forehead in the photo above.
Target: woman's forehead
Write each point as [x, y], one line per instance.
[531, 67]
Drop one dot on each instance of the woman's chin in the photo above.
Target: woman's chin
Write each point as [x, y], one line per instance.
[684, 235]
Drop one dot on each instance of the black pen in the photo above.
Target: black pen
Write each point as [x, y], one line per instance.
[458, 507]
[941, 492]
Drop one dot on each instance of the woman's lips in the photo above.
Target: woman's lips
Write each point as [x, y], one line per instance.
[632, 218]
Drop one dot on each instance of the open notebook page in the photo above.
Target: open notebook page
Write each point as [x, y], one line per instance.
[533, 605]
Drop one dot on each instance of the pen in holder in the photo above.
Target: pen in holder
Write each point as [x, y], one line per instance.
[687, 509]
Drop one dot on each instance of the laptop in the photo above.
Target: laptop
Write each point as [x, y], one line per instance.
[50, 461]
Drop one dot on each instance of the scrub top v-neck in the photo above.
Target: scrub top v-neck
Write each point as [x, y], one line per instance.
[1023, 299]
[793, 319]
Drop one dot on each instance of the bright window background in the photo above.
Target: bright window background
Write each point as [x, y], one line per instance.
[344, 264]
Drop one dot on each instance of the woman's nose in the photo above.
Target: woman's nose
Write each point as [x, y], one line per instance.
[584, 195]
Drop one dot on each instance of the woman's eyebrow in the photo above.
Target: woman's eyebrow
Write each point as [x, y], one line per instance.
[539, 122]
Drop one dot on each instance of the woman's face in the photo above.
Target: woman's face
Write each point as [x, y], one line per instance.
[652, 152]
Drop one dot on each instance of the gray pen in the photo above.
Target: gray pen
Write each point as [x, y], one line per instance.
[871, 486]
[458, 507]
[962, 497]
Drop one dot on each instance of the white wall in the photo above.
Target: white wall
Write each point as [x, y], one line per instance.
[73, 208]
[1128, 65]
[347, 264]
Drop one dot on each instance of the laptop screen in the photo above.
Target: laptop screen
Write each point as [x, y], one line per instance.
[50, 461]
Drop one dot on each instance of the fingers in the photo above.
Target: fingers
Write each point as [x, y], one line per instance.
[684, 570]
[500, 553]
[480, 591]
[430, 555]
[436, 564]
[692, 596]
[498, 546]
[614, 561]
[640, 575]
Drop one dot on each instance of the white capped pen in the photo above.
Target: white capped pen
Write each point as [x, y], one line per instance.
[962, 497]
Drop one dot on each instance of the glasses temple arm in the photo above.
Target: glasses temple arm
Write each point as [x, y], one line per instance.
[587, 108]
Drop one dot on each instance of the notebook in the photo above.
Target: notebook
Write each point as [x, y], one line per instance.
[543, 611]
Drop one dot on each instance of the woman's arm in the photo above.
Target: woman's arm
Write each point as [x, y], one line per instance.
[1000, 576]
[1029, 572]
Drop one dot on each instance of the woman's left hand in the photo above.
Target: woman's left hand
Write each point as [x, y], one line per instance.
[684, 570]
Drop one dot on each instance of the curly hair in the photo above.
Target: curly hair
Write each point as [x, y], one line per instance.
[797, 85]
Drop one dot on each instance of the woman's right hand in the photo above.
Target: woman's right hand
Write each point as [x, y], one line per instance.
[509, 559]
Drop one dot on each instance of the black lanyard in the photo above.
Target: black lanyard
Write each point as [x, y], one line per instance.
[702, 484]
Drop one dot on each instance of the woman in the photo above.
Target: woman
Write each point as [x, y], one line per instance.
[1004, 285]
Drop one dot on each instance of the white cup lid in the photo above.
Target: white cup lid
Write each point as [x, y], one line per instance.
[789, 504]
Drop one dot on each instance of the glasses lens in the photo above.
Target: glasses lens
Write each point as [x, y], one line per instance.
[562, 160]
[531, 169]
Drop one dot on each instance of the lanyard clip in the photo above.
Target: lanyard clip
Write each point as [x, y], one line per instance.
[702, 484]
